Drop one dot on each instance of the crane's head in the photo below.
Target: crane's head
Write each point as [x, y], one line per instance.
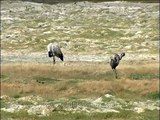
[122, 54]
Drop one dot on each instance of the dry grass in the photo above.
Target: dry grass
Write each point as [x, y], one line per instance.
[73, 69]
[77, 79]
[142, 86]
[84, 89]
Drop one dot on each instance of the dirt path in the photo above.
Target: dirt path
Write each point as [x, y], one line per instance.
[41, 57]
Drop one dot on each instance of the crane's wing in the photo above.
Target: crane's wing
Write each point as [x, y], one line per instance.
[58, 52]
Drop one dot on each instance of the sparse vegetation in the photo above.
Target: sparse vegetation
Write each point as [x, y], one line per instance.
[144, 76]
[3, 104]
[16, 95]
[65, 1]
[25, 103]
[41, 79]
[153, 95]
[125, 115]
[79, 79]
[76, 81]
[79, 90]
[87, 32]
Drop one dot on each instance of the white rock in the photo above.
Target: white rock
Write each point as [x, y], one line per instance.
[98, 100]
[47, 32]
[108, 95]
[33, 99]
[138, 110]
[58, 107]
[138, 32]
[5, 97]
[43, 110]
[128, 47]
[110, 110]
[143, 50]
[14, 108]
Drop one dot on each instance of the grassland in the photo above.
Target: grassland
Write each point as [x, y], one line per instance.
[136, 82]
[79, 80]
[124, 115]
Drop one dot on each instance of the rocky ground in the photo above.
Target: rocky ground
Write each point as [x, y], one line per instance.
[35, 105]
[86, 31]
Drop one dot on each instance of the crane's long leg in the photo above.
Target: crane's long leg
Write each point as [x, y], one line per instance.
[53, 60]
[115, 73]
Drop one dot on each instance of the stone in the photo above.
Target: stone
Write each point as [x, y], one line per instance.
[14, 108]
[108, 95]
[138, 110]
[128, 47]
[42, 110]
[33, 99]
[5, 97]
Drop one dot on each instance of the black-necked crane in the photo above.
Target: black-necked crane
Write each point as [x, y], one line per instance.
[54, 50]
[114, 62]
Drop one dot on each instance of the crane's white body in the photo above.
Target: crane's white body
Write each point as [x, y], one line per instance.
[54, 50]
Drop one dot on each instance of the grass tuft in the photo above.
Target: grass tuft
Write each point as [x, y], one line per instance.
[153, 95]
[148, 76]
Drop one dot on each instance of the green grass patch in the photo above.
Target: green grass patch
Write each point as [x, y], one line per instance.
[23, 115]
[42, 79]
[3, 77]
[25, 103]
[73, 82]
[125, 115]
[149, 115]
[128, 95]
[106, 99]
[153, 95]
[3, 103]
[16, 96]
[139, 76]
